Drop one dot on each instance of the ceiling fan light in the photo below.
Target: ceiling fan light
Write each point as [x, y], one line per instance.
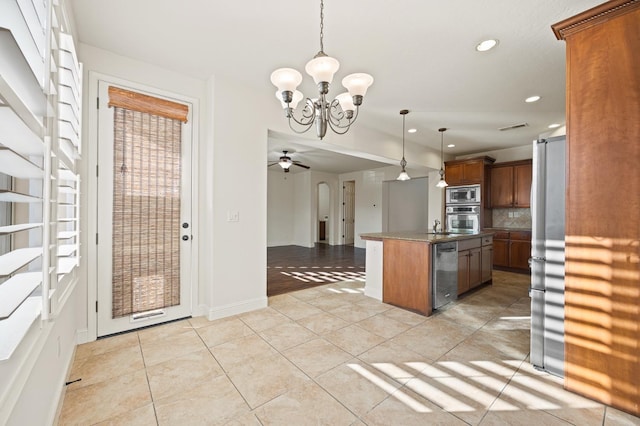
[285, 162]
[322, 69]
[357, 84]
[286, 79]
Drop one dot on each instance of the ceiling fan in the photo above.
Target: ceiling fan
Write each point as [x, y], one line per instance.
[286, 162]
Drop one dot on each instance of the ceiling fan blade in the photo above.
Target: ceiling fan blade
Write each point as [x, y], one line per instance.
[295, 163]
[272, 164]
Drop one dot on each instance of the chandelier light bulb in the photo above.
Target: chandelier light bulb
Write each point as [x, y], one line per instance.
[286, 79]
[322, 69]
[357, 84]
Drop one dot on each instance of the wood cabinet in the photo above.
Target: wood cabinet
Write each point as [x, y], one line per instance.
[511, 184]
[486, 259]
[467, 172]
[469, 264]
[406, 273]
[512, 250]
[602, 290]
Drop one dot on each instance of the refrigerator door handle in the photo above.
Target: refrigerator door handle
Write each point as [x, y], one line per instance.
[536, 259]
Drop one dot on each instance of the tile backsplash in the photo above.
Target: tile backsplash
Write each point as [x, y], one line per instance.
[511, 218]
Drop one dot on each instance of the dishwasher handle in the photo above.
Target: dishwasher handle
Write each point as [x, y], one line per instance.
[447, 250]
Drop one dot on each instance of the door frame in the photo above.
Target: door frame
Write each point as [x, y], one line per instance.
[90, 203]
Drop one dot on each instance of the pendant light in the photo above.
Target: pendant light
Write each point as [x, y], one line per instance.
[442, 183]
[403, 163]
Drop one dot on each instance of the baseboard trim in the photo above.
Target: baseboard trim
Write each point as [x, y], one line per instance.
[218, 312]
[82, 336]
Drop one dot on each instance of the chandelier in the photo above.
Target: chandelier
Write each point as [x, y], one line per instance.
[340, 113]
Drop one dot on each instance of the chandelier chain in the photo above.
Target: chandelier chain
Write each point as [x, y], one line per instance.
[321, 25]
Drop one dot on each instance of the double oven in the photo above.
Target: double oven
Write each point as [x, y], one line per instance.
[462, 208]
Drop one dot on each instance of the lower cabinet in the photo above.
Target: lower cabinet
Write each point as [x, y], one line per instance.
[487, 259]
[469, 264]
[512, 249]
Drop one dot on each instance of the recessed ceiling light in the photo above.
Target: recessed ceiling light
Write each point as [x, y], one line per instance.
[554, 126]
[532, 99]
[485, 45]
[412, 130]
[451, 145]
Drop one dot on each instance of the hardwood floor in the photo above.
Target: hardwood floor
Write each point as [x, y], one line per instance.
[291, 268]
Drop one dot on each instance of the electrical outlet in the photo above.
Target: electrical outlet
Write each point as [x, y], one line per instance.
[511, 214]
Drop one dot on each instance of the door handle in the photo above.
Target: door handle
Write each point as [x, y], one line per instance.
[185, 225]
[185, 238]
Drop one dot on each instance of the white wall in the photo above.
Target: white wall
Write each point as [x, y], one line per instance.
[436, 200]
[280, 208]
[405, 205]
[234, 263]
[302, 209]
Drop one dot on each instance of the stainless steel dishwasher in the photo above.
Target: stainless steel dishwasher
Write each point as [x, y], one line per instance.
[445, 273]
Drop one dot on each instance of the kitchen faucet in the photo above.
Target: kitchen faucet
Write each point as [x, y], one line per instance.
[435, 226]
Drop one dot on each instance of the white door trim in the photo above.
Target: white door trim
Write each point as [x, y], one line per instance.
[90, 154]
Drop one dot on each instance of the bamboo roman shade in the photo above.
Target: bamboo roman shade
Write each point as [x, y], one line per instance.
[144, 103]
[146, 203]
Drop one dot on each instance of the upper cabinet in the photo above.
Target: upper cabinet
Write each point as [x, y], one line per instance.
[467, 172]
[511, 184]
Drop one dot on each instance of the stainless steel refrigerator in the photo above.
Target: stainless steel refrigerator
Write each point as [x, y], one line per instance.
[547, 255]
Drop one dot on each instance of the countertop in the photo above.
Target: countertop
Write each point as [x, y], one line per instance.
[422, 236]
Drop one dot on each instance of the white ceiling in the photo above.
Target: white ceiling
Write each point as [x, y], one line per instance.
[421, 54]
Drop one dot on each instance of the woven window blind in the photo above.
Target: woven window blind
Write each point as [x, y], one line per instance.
[146, 212]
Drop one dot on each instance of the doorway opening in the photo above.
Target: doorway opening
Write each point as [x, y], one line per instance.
[348, 211]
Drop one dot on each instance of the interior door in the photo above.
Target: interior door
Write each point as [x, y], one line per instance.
[349, 214]
[144, 215]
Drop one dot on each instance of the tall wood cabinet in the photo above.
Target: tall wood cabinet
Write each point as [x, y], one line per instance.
[602, 271]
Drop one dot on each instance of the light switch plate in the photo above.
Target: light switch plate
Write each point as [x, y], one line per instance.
[233, 216]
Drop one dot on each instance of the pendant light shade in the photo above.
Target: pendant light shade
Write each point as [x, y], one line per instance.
[403, 163]
[442, 183]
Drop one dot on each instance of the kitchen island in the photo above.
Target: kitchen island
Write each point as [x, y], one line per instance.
[400, 268]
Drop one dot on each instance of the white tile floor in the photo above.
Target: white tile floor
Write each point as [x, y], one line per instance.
[331, 356]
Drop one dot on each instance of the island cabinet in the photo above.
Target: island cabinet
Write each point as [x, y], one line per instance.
[512, 250]
[469, 264]
[407, 275]
[511, 184]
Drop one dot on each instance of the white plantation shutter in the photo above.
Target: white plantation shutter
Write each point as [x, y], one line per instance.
[40, 84]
